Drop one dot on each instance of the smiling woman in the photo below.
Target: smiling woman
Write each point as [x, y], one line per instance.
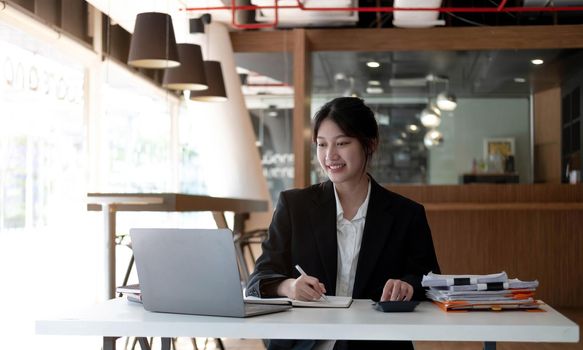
[351, 236]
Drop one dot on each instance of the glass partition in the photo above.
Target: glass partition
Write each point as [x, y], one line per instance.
[266, 80]
[444, 116]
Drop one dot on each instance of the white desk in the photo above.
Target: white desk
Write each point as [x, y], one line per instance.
[118, 317]
[110, 203]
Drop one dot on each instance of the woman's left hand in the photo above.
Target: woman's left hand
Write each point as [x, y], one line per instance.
[397, 290]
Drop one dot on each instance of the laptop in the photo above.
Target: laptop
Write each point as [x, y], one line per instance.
[191, 271]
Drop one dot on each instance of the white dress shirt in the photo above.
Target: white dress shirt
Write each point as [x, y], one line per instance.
[349, 236]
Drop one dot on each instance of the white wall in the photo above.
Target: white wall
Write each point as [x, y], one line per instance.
[231, 159]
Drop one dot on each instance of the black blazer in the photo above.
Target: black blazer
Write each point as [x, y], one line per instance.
[396, 242]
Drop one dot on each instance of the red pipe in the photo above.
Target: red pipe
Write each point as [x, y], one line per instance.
[502, 4]
[234, 23]
[393, 9]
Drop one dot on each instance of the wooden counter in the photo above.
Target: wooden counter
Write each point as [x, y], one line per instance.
[530, 231]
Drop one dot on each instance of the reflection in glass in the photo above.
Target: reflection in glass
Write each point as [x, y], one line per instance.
[455, 98]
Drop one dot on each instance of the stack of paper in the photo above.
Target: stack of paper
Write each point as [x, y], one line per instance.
[480, 292]
[131, 291]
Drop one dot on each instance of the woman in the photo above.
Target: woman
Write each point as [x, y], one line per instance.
[352, 236]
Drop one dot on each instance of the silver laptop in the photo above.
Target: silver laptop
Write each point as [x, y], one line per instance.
[191, 271]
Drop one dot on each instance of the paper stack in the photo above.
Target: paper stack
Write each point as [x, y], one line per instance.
[480, 292]
[131, 291]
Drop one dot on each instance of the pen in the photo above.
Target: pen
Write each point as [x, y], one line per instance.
[303, 273]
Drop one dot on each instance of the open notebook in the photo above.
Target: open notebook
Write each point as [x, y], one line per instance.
[333, 301]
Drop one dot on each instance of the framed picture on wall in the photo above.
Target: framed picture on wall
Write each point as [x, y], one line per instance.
[502, 146]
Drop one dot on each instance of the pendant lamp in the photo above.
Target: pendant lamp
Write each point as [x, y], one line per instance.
[190, 74]
[446, 101]
[433, 138]
[430, 117]
[214, 78]
[153, 44]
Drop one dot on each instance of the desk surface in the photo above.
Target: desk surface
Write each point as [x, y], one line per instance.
[119, 317]
[172, 202]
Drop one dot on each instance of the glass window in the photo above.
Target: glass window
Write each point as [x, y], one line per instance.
[266, 80]
[424, 136]
[273, 127]
[136, 134]
[191, 174]
[42, 138]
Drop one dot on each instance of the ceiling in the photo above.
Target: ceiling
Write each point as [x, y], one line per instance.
[467, 73]
[124, 12]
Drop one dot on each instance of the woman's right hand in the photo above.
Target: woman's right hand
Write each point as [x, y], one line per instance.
[306, 288]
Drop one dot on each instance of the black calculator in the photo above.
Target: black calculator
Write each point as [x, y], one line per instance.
[395, 306]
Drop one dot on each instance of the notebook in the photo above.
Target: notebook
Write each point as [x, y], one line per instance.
[332, 302]
[191, 271]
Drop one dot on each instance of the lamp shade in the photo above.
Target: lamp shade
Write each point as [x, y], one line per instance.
[433, 138]
[431, 117]
[190, 74]
[214, 78]
[153, 44]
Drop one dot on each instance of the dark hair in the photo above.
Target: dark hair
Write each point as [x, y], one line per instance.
[354, 118]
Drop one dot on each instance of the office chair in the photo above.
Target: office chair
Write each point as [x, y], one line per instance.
[247, 241]
[145, 344]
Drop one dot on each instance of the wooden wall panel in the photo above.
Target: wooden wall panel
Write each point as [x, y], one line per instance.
[530, 244]
[301, 116]
[262, 41]
[529, 231]
[395, 39]
[547, 162]
[547, 136]
[447, 38]
[492, 193]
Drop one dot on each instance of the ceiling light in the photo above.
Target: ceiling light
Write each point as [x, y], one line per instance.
[190, 74]
[374, 90]
[446, 101]
[272, 111]
[430, 117]
[412, 128]
[537, 61]
[153, 44]
[373, 64]
[384, 119]
[216, 86]
[374, 83]
[241, 70]
[519, 80]
[433, 138]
